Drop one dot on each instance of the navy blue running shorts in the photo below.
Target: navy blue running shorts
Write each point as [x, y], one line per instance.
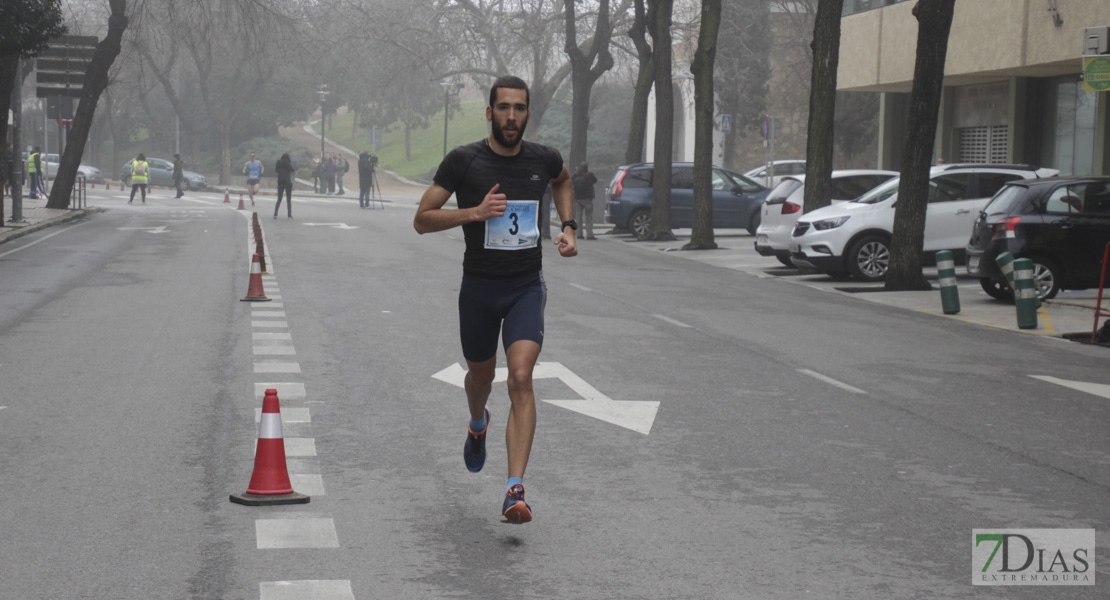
[512, 307]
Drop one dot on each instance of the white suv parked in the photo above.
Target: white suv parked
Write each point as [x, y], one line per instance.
[854, 237]
[783, 206]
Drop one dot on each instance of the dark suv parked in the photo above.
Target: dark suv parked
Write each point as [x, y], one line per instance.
[736, 199]
[1062, 224]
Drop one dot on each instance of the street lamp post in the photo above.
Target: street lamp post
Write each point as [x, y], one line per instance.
[323, 92]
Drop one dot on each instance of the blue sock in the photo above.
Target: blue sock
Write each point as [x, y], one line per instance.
[478, 426]
[513, 481]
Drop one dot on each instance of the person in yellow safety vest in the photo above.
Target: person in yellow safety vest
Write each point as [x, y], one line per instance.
[140, 174]
[34, 169]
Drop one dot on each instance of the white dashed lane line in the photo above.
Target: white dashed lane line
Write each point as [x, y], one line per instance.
[831, 381]
[296, 533]
[317, 589]
[672, 321]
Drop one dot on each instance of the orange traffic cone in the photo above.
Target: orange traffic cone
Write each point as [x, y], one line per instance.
[227, 196]
[270, 480]
[255, 293]
[241, 207]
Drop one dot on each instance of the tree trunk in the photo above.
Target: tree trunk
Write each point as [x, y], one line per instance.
[584, 73]
[701, 237]
[223, 142]
[934, 22]
[637, 131]
[96, 80]
[822, 104]
[659, 17]
[8, 68]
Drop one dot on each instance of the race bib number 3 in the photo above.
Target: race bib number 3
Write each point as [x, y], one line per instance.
[517, 229]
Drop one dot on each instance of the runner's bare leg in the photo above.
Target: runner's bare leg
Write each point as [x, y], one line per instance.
[521, 430]
[478, 383]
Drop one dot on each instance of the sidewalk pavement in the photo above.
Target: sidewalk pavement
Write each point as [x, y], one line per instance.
[36, 216]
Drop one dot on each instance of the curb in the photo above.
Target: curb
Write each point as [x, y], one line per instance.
[78, 213]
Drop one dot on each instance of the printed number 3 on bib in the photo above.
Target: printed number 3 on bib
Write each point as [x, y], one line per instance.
[517, 229]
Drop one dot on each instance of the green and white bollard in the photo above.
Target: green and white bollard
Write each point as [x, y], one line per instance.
[1005, 262]
[1025, 294]
[949, 293]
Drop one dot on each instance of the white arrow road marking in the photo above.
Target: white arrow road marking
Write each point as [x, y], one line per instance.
[1098, 389]
[159, 229]
[332, 225]
[638, 416]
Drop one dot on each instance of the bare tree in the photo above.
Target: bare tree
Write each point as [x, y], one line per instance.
[701, 237]
[822, 104]
[934, 22]
[96, 80]
[588, 64]
[645, 75]
[659, 16]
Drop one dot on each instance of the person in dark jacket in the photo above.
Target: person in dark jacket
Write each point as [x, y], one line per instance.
[583, 184]
[284, 170]
[365, 179]
[328, 171]
[178, 174]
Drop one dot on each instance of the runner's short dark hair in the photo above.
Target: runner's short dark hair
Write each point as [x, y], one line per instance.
[511, 82]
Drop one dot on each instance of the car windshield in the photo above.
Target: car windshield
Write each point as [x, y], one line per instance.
[1005, 200]
[879, 194]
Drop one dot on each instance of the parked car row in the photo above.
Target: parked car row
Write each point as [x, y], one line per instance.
[161, 173]
[1061, 223]
[50, 165]
[736, 199]
[853, 238]
[784, 205]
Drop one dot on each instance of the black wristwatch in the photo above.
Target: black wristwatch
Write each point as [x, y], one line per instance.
[571, 223]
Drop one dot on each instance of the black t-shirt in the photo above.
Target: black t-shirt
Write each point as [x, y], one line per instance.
[471, 171]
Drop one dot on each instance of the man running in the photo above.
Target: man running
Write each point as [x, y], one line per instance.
[253, 170]
[498, 183]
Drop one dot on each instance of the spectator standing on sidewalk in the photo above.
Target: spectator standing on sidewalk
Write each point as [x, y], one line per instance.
[178, 174]
[365, 179]
[284, 169]
[341, 169]
[583, 183]
[316, 174]
[253, 170]
[328, 171]
[34, 169]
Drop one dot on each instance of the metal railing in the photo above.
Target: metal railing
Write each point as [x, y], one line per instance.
[77, 198]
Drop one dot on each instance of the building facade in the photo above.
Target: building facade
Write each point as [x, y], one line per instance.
[1013, 88]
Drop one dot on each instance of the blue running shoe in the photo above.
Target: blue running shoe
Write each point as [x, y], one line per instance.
[474, 451]
[515, 509]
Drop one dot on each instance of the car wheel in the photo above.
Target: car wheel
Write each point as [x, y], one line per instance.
[640, 223]
[869, 258]
[785, 260]
[1047, 278]
[754, 222]
[997, 289]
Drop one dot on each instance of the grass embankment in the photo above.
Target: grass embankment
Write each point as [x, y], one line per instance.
[466, 124]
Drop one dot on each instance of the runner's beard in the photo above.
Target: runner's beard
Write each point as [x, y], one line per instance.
[499, 134]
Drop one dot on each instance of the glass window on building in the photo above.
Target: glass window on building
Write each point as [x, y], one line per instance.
[1073, 131]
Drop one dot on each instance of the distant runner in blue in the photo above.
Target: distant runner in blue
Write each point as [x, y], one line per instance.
[253, 170]
[498, 183]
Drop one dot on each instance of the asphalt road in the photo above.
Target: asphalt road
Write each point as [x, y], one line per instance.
[805, 444]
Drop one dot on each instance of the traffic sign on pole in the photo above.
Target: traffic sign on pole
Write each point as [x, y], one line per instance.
[60, 68]
[726, 123]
